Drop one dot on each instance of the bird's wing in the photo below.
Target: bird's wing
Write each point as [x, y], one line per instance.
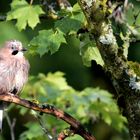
[26, 68]
[5, 75]
[4, 84]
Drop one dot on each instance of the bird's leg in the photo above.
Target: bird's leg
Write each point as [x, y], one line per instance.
[14, 91]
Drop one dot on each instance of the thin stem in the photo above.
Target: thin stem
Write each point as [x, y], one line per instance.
[11, 125]
[46, 131]
[125, 3]
[31, 2]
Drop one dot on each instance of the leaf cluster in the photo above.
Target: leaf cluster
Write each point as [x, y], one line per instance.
[68, 23]
[88, 105]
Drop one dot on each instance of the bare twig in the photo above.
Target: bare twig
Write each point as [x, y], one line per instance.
[45, 130]
[31, 2]
[125, 3]
[11, 125]
[48, 109]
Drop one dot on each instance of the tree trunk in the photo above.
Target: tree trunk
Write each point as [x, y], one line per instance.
[124, 79]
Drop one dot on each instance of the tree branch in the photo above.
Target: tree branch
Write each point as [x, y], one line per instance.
[48, 109]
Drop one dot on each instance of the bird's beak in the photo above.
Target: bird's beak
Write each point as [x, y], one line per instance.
[24, 49]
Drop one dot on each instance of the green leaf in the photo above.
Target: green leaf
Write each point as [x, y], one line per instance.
[72, 21]
[92, 53]
[68, 24]
[57, 79]
[34, 131]
[102, 104]
[132, 12]
[78, 14]
[47, 40]
[75, 137]
[95, 93]
[25, 14]
[89, 51]
[129, 15]
[76, 8]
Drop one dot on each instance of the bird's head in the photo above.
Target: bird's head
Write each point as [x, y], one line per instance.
[14, 48]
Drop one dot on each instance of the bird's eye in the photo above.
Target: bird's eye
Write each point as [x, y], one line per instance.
[12, 47]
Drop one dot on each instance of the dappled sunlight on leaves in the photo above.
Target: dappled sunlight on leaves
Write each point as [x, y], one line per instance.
[84, 105]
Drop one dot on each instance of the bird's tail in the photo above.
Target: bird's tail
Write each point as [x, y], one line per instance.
[1, 114]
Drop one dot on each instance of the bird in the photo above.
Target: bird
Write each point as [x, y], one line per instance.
[14, 70]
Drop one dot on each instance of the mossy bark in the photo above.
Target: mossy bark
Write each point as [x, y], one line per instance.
[125, 80]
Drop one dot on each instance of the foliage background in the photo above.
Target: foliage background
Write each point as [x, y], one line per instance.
[84, 92]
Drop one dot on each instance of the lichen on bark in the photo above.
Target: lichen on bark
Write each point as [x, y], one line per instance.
[125, 80]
